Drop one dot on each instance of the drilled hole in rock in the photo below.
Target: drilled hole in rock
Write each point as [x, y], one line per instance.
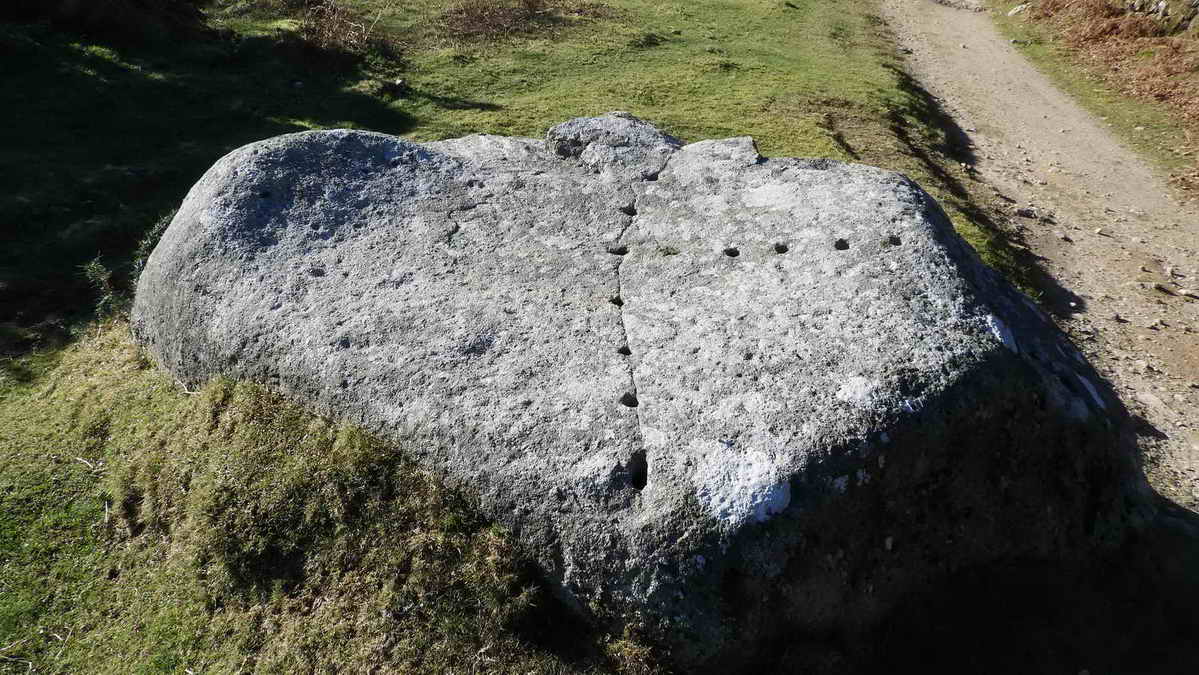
[629, 210]
[894, 240]
[841, 245]
[638, 470]
[615, 300]
[732, 252]
[781, 248]
[624, 351]
[618, 249]
[629, 399]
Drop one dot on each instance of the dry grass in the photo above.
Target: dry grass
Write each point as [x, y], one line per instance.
[1138, 57]
[332, 25]
[496, 19]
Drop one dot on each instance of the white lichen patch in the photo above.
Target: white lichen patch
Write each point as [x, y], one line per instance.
[738, 486]
[1086, 383]
[856, 389]
[1002, 333]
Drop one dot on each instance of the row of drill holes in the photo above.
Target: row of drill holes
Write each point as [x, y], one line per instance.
[780, 248]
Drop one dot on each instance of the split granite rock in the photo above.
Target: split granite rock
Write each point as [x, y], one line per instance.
[722, 397]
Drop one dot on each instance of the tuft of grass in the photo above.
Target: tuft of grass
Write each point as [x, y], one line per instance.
[110, 301]
[333, 26]
[492, 20]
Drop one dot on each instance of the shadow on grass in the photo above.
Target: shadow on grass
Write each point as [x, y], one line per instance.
[1017, 262]
[1132, 610]
[101, 139]
[452, 102]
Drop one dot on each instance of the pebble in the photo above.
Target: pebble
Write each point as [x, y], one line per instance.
[1062, 235]
[1101, 232]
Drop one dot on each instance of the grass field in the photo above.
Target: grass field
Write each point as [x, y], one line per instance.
[145, 528]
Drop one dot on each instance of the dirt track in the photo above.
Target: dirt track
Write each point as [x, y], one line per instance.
[1117, 249]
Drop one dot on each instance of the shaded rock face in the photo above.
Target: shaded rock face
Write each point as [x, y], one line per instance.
[732, 400]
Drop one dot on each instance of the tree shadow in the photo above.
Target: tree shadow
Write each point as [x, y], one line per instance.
[451, 102]
[102, 138]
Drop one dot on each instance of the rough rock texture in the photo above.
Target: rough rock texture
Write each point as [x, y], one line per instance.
[726, 398]
[1175, 16]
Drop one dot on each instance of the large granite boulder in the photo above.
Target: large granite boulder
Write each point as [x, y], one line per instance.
[732, 400]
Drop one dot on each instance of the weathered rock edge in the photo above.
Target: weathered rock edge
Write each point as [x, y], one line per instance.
[732, 400]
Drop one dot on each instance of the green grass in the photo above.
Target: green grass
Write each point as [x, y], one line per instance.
[146, 529]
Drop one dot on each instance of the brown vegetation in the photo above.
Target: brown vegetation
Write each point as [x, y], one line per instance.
[330, 24]
[1137, 55]
[494, 19]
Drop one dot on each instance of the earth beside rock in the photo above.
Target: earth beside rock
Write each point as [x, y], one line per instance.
[725, 399]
